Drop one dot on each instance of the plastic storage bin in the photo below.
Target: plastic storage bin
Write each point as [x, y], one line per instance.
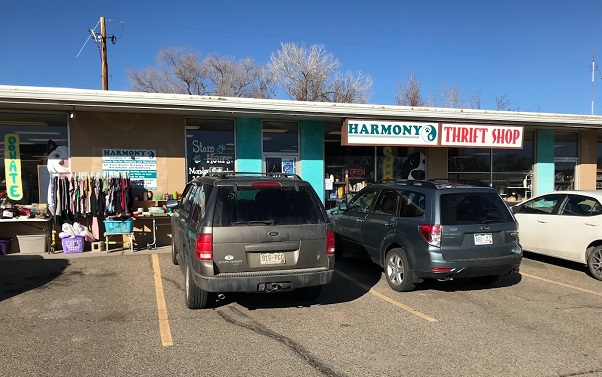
[73, 244]
[4, 246]
[32, 243]
[118, 226]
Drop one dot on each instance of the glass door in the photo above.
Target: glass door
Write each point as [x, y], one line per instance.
[280, 164]
[565, 173]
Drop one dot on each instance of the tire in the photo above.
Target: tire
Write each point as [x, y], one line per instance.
[174, 255]
[195, 297]
[309, 293]
[489, 279]
[397, 271]
[594, 262]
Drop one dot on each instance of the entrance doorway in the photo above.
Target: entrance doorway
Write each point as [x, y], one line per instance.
[280, 164]
[565, 173]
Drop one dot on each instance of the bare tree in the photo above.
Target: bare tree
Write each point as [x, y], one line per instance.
[350, 88]
[475, 100]
[502, 103]
[311, 75]
[182, 71]
[237, 79]
[450, 96]
[410, 93]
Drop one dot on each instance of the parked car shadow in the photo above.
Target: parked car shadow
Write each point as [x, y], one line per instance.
[354, 276]
[467, 284]
[363, 268]
[21, 273]
[364, 274]
[577, 266]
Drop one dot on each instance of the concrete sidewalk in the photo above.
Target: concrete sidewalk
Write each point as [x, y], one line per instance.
[113, 252]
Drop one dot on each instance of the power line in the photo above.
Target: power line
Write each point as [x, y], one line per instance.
[101, 42]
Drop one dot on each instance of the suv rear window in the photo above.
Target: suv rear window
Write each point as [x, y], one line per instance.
[281, 206]
[473, 208]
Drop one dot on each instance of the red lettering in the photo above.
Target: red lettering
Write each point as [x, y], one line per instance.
[498, 137]
[516, 136]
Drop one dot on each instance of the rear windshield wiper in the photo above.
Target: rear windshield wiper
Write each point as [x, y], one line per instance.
[493, 221]
[254, 222]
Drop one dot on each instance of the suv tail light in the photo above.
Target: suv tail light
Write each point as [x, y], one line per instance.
[431, 233]
[204, 247]
[330, 246]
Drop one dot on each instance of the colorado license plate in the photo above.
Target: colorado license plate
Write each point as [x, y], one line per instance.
[271, 258]
[483, 239]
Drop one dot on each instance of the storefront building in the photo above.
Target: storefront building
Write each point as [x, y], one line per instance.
[163, 140]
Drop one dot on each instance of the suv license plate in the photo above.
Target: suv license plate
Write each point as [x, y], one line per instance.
[272, 258]
[483, 239]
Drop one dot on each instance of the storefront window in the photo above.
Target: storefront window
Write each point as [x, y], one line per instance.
[565, 160]
[38, 135]
[348, 169]
[508, 170]
[401, 162]
[599, 163]
[209, 146]
[280, 137]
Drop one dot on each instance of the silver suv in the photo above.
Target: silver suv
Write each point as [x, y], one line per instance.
[439, 229]
[251, 232]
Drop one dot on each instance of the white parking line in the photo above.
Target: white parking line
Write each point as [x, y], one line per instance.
[164, 328]
[388, 299]
[561, 284]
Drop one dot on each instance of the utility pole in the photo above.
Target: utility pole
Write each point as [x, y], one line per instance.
[103, 52]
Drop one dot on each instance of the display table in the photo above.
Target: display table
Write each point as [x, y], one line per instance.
[108, 242]
[25, 226]
[155, 221]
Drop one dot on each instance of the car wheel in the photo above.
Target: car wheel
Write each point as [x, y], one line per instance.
[489, 279]
[594, 262]
[397, 271]
[196, 298]
[309, 293]
[174, 256]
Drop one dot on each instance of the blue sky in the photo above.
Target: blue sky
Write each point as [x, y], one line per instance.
[536, 53]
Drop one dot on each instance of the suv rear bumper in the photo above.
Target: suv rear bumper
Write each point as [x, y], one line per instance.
[250, 282]
[472, 270]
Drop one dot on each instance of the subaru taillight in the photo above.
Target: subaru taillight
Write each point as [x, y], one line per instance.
[204, 247]
[330, 242]
[431, 233]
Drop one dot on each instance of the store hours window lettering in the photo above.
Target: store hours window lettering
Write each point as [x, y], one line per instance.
[209, 146]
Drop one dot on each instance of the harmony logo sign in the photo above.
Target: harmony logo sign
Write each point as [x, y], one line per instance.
[378, 132]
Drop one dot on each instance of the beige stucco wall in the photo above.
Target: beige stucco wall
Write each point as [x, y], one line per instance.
[90, 133]
[436, 163]
[588, 144]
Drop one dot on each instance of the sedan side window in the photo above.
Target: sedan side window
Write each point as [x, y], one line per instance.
[579, 205]
[198, 210]
[188, 199]
[387, 203]
[412, 204]
[362, 202]
[542, 206]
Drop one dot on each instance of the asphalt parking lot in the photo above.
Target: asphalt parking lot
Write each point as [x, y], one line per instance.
[98, 314]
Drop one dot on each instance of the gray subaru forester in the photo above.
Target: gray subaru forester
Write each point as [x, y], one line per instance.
[251, 232]
[441, 229]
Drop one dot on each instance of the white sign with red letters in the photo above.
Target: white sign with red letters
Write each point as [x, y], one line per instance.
[481, 136]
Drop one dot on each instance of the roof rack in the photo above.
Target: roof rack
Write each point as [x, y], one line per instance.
[411, 182]
[458, 181]
[235, 174]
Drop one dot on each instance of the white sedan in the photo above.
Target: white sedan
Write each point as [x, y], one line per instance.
[564, 224]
